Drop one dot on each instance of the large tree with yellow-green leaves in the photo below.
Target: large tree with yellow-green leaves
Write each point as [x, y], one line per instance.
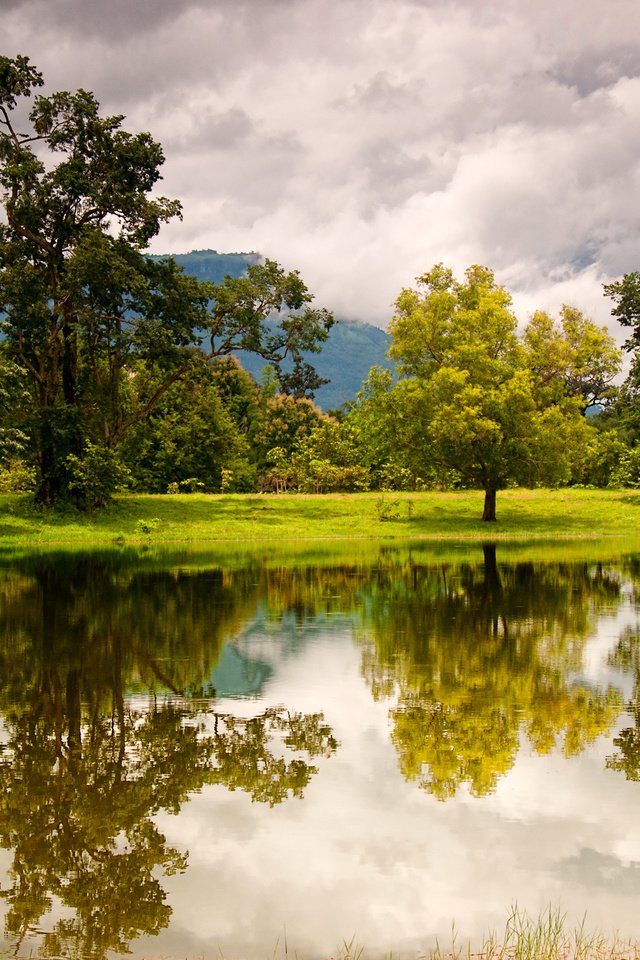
[476, 397]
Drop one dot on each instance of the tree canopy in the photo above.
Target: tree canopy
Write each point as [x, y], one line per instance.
[477, 398]
[101, 330]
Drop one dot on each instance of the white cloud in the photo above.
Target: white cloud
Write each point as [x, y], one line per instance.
[362, 141]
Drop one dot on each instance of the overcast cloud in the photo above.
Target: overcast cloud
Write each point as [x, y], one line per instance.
[361, 141]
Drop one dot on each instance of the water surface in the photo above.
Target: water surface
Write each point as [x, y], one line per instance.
[229, 756]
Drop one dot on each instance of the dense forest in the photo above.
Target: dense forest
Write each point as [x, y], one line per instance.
[126, 371]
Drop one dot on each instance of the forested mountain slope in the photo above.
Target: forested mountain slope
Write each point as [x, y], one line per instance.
[347, 356]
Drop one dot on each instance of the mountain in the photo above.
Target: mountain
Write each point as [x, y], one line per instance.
[352, 348]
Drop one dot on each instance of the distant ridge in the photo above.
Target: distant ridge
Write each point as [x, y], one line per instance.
[213, 266]
[353, 347]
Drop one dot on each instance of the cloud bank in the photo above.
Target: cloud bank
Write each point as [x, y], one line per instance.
[361, 141]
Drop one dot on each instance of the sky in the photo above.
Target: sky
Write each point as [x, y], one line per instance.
[362, 141]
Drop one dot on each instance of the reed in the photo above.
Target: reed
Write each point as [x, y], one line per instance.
[545, 937]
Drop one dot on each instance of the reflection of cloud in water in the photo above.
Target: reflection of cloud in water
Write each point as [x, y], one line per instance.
[367, 853]
[274, 639]
[370, 855]
[591, 868]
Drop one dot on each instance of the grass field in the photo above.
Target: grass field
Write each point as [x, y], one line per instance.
[198, 518]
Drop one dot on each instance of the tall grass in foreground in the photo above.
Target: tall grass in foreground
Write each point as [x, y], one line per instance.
[546, 937]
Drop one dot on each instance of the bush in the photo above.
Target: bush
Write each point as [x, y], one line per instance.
[95, 476]
[626, 473]
[16, 476]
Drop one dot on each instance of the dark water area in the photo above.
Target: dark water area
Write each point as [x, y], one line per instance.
[223, 758]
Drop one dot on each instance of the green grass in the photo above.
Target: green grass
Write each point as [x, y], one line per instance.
[546, 937]
[199, 518]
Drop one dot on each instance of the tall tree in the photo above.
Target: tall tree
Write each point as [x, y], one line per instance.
[82, 301]
[477, 400]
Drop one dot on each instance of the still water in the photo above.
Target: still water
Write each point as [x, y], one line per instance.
[247, 756]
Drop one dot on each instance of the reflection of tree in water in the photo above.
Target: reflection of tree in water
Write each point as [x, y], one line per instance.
[83, 771]
[478, 653]
[626, 656]
[245, 761]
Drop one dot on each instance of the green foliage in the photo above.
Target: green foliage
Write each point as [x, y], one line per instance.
[328, 460]
[626, 472]
[13, 402]
[95, 476]
[387, 509]
[325, 460]
[147, 526]
[625, 294]
[284, 425]
[605, 460]
[573, 358]
[389, 439]
[624, 415]
[476, 400]
[17, 476]
[241, 309]
[76, 191]
[102, 331]
[189, 437]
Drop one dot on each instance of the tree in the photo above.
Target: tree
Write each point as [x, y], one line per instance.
[284, 423]
[624, 415]
[13, 394]
[387, 442]
[268, 312]
[626, 295]
[329, 459]
[189, 438]
[71, 262]
[470, 395]
[572, 357]
[84, 304]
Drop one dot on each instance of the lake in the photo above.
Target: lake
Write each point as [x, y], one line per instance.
[252, 754]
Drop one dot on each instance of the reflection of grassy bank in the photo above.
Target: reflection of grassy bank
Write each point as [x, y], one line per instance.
[229, 555]
[537, 514]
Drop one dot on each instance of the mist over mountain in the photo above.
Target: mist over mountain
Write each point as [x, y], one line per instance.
[350, 351]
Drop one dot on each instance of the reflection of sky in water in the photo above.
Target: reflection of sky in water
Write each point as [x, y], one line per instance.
[238, 676]
[369, 855]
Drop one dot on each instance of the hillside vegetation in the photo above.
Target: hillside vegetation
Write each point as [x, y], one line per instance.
[348, 354]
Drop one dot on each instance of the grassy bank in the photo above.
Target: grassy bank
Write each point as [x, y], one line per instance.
[522, 515]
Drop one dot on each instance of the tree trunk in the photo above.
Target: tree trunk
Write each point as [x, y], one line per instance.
[489, 512]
